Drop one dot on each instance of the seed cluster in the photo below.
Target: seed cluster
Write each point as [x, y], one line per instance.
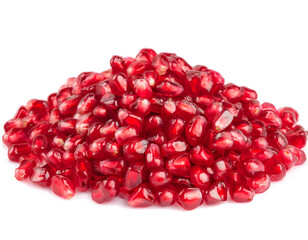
[153, 129]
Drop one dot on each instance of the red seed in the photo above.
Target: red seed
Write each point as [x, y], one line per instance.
[62, 186]
[189, 198]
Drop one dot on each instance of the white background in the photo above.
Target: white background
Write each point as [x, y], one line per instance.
[259, 44]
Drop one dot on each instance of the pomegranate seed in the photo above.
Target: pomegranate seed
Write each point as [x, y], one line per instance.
[83, 174]
[297, 136]
[106, 190]
[223, 141]
[174, 146]
[199, 177]
[117, 64]
[39, 144]
[176, 127]
[62, 186]
[112, 166]
[15, 136]
[24, 170]
[195, 130]
[251, 167]
[142, 196]
[21, 112]
[142, 88]
[217, 192]
[259, 183]
[166, 196]
[275, 169]
[221, 169]
[41, 176]
[179, 165]
[222, 121]
[159, 178]
[134, 150]
[287, 157]
[189, 198]
[241, 193]
[169, 89]
[153, 158]
[160, 63]
[18, 150]
[200, 155]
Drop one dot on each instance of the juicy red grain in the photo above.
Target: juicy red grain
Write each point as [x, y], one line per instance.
[154, 129]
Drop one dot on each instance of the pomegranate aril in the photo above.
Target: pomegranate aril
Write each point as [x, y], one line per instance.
[217, 192]
[159, 178]
[176, 127]
[15, 136]
[142, 196]
[62, 186]
[21, 112]
[259, 183]
[287, 157]
[222, 121]
[166, 196]
[169, 89]
[119, 84]
[24, 170]
[174, 146]
[251, 167]
[117, 64]
[106, 190]
[189, 198]
[297, 136]
[240, 193]
[83, 174]
[199, 177]
[275, 169]
[18, 150]
[134, 150]
[41, 176]
[153, 158]
[124, 134]
[195, 130]
[223, 141]
[200, 155]
[160, 64]
[179, 165]
[39, 144]
[112, 166]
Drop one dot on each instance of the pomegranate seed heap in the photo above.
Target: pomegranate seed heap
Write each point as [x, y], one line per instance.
[153, 129]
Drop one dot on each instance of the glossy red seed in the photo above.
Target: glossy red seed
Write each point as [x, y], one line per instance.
[222, 121]
[259, 183]
[134, 150]
[124, 134]
[217, 192]
[179, 165]
[166, 196]
[195, 130]
[117, 64]
[287, 157]
[199, 177]
[153, 158]
[24, 170]
[241, 193]
[275, 169]
[105, 190]
[189, 198]
[62, 186]
[112, 166]
[223, 141]
[297, 136]
[169, 89]
[200, 155]
[41, 176]
[251, 167]
[159, 178]
[142, 196]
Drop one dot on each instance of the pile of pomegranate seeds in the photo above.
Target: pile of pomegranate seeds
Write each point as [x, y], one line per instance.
[153, 129]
